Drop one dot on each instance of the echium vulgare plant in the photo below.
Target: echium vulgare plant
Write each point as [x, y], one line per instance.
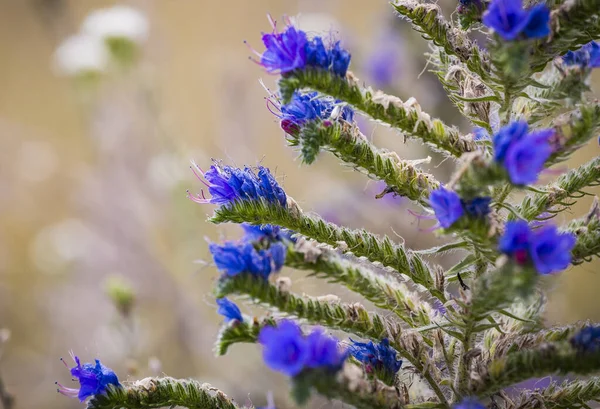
[464, 334]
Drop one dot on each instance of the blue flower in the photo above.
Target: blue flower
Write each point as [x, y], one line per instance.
[227, 184]
[379, 359]
[478, 207]
[522, 153]
[587, 56]
[285, 51]
[316, 53]
[447, 206]
[340, 60]
[285, 348]
[515, 131]
[587, 339]
[233, 258]
[269, 232]
[545, 247]
[468, 403]
[324, 351]
[551, 250]
[480, 134]
[511, 21]
[93, 379]
[278, 252]
[309, 107]
[515, 240]
[229, 310]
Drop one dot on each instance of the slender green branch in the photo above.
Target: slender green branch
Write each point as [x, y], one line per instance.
[387, 294]
[566, 395]
[427, 19]
[563, 192]
[163, 392]
[236, 332]
[359, 242]
[351, 318]
[346, 142]
[547, 359]
[574, 132]
[405, 116]
[587, 231]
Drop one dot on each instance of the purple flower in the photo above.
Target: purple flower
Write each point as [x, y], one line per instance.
[285, 51]
[93, 379]
[340, 60]
[316, 53]
[587, 339]
[379, 359]
[587, 56]
[515, 241]
[324, 351]
[551, 250]
[308, 107]
[227, 184]
[511, 21]
[229, 310]
[268, 232]
[447, 206]
[288, 351]
[522, 153]
[545, 247]
[233, 258]
[478, 207]
[285, 348]
[278, 252]
[525, 158]
[468, 403]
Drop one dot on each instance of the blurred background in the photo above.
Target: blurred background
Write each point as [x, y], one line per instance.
[100, 250]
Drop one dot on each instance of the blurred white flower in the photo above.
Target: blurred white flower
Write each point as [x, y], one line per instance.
[81, 54]
[120, 22]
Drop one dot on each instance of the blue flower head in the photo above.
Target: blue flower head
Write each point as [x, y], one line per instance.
[379, 359]
[316, 53]
[93, 379]
[480, 134]
[324, 351]
[586, 57]
[447, 206]
[233, 258]
[305, 107]
[268, 232]
[522, 153]
[227, 184]
[285, 348]
[515, 241]
[550, 249]
[511, 21]
[288, 351]
[340, 60]
[587, 339]
[229, 310]
[478, 207]
[285, 51]
[468, 403]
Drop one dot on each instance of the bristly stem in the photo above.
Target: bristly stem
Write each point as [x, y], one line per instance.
[403, 115]
[359, 242]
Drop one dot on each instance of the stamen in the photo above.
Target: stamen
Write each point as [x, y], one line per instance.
[196, 169]
[69, 392]
[421, 216]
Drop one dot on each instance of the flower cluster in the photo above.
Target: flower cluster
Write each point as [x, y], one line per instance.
[288, 351]
[587, 56]
[587, 339]
[227, 184]
[449, 207]
[521, 152]
[229, 310]
[547, 248]
[512, 22]
[236, 257]
[379, 359]
[291, 49]
[469, 403]
[93, 379]
[310, 107]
